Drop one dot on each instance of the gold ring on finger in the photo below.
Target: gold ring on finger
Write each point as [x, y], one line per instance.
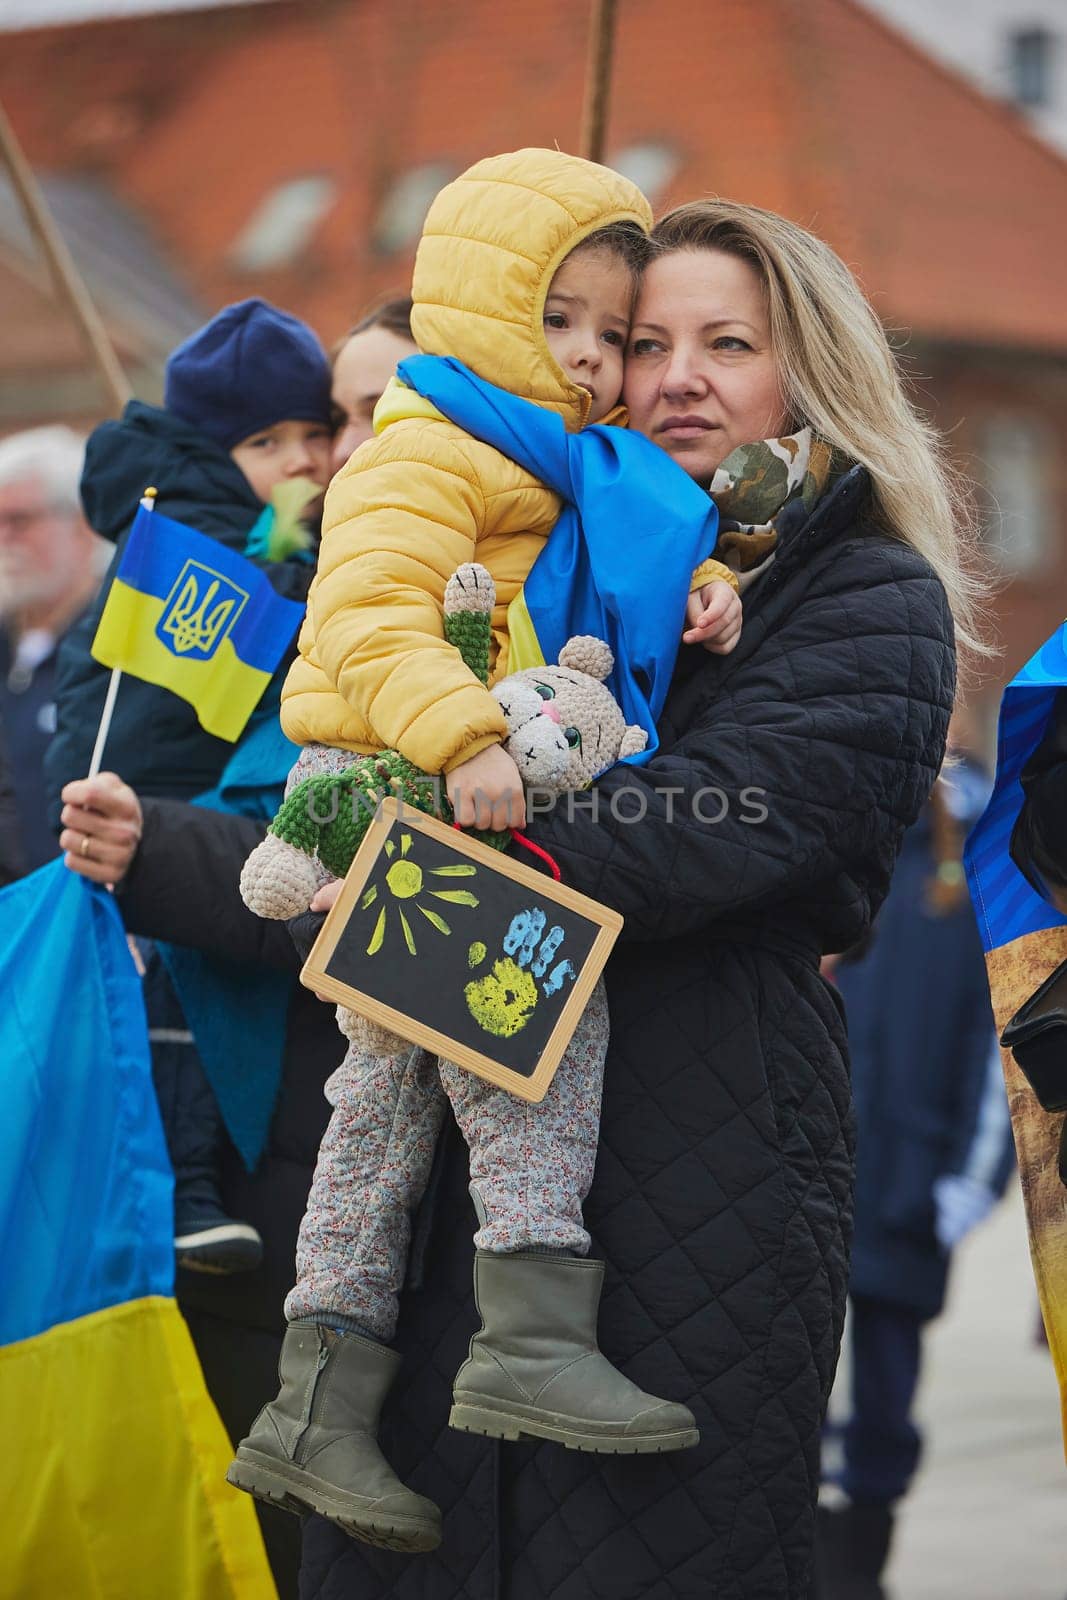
[86, 842]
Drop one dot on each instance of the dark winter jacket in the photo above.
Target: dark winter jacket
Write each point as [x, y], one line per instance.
[182, 887]
[27, 720]
[156, 742]
[1039, 838]
[926, 1075]
[723, 1185]
[12, 857]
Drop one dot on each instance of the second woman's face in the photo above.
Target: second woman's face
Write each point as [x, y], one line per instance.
[361, 370]
[701, 377]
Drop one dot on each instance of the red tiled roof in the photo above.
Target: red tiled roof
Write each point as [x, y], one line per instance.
[953, 215]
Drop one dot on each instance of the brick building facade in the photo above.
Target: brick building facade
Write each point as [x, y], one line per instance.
[290, 149]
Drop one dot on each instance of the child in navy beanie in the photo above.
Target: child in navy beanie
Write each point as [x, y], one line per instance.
[251, 367]
[247, 413]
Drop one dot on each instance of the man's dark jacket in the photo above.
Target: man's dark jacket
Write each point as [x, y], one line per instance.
[12, 856]
[722, 1192]
[27, 718]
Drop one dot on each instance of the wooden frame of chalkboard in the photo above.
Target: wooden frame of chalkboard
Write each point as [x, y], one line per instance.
[490, 982]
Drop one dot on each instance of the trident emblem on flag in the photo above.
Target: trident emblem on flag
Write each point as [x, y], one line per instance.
[200, 611]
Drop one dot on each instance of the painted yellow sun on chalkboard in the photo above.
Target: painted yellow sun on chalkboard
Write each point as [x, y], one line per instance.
[406, 880]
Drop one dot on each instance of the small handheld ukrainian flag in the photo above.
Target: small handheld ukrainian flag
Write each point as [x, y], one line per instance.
[189, 615]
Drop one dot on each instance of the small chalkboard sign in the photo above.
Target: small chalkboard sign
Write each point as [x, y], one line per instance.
[461, 949]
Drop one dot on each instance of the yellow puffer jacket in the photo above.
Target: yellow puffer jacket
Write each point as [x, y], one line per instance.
[374, 670]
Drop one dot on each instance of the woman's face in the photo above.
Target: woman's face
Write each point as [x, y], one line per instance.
[701, 377]
[361, 370]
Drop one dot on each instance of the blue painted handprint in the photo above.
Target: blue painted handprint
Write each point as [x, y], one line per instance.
[504, 1000]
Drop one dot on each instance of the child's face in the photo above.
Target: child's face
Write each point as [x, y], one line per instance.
[285, 450]
[587, 322]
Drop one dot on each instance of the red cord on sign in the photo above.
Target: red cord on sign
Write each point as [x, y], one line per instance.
[534, 849]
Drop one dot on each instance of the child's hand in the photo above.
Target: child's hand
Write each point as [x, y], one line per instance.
[486, 791]
[326, 897]
[713, 615]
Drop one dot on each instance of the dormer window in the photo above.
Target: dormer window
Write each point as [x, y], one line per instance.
[281, 226]
[1030, 66]
[405, 204]
[651, 164]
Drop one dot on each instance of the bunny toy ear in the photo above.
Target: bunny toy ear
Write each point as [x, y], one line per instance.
[633, 740]
[585, 654]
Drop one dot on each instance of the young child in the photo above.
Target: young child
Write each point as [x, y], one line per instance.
[526, 271]
[246, 412]
[246, 409]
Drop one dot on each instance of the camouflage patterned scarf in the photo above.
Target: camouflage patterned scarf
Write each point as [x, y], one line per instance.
[755, 482]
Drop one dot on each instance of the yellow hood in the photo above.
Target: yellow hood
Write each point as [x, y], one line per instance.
[491, 244]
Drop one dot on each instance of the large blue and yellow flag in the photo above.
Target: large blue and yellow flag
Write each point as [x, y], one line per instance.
[1025, 939]
[189, 615]
[113, 1460]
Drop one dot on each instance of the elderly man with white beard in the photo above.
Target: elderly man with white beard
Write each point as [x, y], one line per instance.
[50, 566]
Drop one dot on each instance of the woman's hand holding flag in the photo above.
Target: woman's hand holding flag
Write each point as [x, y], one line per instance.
[102, 824]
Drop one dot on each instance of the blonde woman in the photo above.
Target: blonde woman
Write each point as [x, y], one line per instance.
[762, 834]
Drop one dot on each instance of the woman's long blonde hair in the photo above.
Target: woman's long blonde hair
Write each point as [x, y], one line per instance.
[840, 377]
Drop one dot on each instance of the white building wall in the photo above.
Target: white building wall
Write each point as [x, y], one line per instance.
[18, 14]
[975, 37]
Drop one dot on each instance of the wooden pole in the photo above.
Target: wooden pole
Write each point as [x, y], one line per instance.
[598, 79]
[69, 283]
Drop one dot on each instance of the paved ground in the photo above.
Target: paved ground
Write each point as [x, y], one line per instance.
[987, 1519]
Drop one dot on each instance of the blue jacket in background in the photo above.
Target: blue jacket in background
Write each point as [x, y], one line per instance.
[926, 1072]
[156, 742]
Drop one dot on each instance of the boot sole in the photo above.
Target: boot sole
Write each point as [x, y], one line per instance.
[224, 1264]
[512, 1425]
[298, 1492]
[233, 1247]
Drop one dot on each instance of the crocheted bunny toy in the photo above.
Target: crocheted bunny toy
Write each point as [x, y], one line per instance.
[565, 727]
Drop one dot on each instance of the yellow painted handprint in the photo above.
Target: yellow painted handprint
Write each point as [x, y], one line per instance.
[503, 1001]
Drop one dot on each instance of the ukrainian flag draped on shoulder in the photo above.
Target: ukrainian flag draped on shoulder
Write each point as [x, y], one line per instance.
[1025, 939]
[185, 613]
[620, 559]
[112, 1471]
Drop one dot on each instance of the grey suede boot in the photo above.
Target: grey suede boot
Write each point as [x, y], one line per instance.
[535, 1370]
[315, 1448]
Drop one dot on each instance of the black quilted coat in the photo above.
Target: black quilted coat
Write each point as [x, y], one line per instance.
[723, 1186]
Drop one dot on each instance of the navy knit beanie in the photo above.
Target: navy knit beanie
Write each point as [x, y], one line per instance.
[248, 368]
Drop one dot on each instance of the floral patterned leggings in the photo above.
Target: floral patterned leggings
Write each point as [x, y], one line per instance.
[531, 1165]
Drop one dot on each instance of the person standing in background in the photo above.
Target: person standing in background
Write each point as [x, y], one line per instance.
[51, 564]
[363, 362]
[933, 1155]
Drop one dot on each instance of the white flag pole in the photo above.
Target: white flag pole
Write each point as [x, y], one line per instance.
[105, 722]
[148, 503]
